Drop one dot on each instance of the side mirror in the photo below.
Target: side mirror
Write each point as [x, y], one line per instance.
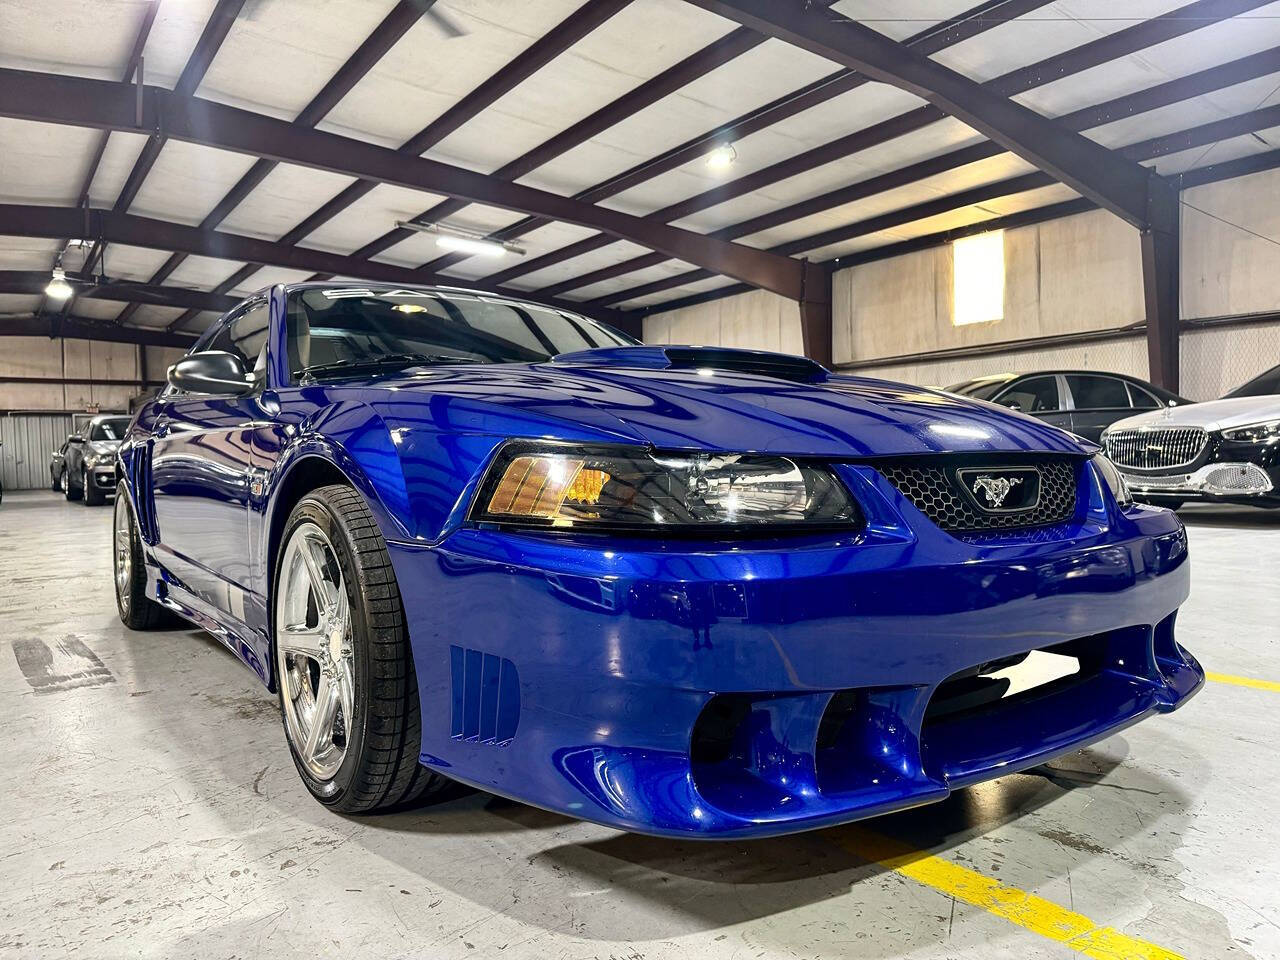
[211, 371]
[76, 438]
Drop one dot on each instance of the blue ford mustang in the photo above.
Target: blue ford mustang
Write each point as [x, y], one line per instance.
[679, 590]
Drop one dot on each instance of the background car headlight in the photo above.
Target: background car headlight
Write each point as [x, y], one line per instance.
[629, 489]
[1255, 432]
[1114, 480]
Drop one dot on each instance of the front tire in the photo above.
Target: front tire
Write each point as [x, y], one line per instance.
[137, 610]
[344, 670]
[69, 489]
[93, 497]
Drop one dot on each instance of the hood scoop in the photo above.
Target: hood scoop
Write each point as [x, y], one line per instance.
[780, 366]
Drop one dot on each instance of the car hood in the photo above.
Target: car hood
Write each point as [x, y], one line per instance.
[1211, 415]
[712, 399]
[103, 446]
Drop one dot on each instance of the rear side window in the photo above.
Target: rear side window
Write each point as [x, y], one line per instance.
[1033, 395]
[1097, 393]
[1141, 400]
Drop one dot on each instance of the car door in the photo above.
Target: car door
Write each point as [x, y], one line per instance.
[200, 468]
[1097, 402]
[1039, 395]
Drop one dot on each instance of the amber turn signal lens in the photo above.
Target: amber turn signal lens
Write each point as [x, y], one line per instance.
[540, 486]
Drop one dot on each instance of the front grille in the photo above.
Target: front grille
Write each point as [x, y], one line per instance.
[932, 487]
[1159, 448]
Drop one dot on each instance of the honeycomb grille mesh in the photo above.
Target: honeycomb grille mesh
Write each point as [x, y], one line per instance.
[932, 488]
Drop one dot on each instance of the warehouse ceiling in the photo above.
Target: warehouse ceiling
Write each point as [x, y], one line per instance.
[617, 104]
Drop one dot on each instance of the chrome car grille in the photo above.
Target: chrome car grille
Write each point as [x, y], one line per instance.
[932, 487]
[1158, 448]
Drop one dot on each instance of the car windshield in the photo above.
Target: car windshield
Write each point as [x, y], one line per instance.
[984, 388]
[113, 429]
[333, 332]
[1260, 386]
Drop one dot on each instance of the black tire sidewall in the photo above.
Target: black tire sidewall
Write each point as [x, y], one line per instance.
[315, 508]
[131, 610]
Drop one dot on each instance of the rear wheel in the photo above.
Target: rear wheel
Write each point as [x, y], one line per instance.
[348, 693]
[55, 480]
[137, 610]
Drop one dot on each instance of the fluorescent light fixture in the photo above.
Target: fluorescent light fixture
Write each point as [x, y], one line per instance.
[722, 158]
[463, 241]
[58, 288]
[978, 279]
[477, 248]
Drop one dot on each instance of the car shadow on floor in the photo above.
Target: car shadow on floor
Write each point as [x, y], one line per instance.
[1229, 516]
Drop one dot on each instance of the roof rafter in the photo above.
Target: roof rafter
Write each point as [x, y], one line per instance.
[26, 220]
[393, 26]
[1130, 40]
[541, 52]
[93, 103]
[962, 26]
[122, 291]
[1160, 95]
[1202, 135]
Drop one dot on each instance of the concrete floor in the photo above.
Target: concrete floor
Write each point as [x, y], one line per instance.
[154, 811]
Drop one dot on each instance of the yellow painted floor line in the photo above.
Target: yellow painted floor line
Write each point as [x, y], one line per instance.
[1073, 930]
[1244, 681]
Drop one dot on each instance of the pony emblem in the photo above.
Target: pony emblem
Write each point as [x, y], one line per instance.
[994, 489]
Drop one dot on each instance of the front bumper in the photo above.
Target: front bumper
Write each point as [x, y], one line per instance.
[585, 674]
[102, 478]
[1224, 472]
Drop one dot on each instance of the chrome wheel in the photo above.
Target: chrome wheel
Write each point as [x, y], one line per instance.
[123, 549]
[62, 480]
[314, 651]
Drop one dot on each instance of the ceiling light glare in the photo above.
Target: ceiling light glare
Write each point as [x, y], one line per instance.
[58, 288]
[470, 245]
[722, 158]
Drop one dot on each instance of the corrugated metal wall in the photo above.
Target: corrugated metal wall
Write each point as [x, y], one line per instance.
[28, 439]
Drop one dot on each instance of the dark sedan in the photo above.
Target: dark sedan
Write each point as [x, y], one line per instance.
[1084, 403]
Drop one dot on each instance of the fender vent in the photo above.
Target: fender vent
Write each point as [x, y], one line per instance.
[486, 696]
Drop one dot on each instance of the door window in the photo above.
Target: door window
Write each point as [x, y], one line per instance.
[1098, 393]
[1033, 395]
[245, 335]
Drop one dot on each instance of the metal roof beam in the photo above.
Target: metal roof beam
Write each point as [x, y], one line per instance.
[394, 26]
[1160, 95]
[93, 103]
[84, 328]
[89, 287]
[1129, 40]
[25, 220]
[1115, 183]
[541, 52]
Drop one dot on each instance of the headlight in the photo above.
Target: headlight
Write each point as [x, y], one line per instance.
[96, 459]
[631, 489]
[1114, 479]
[1255, 432]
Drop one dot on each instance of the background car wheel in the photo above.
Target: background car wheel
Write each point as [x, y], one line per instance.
[93, 497]
[69, 489]
[348, 692]
[137, 610]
